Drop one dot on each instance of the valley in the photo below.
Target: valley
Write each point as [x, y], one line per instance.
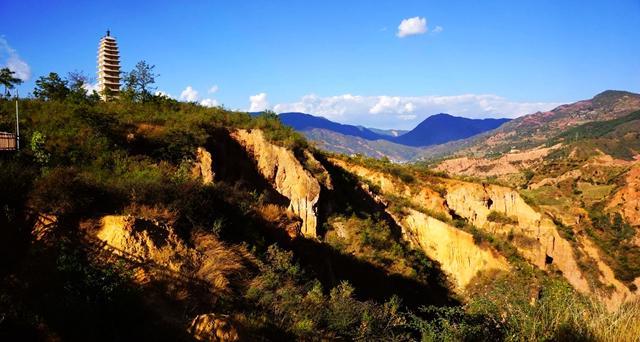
[225, 220]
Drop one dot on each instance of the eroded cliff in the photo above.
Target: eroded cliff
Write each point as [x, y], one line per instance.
[455, 249]
[459, 256]
[626, 200]
[541, 244]
[288, 176]
[535, 235]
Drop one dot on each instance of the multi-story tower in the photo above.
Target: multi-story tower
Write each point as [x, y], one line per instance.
[108, 67]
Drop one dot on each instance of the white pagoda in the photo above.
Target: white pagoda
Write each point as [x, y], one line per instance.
[108, 67]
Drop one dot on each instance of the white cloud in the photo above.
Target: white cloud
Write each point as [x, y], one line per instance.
[163, 94]
[437, 29]
[412, 26]
[189, 94]
[402, 112]
[214, 89]
[209, 103]
[10, 59]
[90, 87]
[258, 102]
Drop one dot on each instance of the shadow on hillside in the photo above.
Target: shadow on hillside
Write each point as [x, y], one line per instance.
[371, 282]
[331, 266]
[58, 294]
[233, 165]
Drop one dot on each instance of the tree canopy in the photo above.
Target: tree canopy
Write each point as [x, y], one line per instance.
[8, 80]
[51, 87]
[138, 83]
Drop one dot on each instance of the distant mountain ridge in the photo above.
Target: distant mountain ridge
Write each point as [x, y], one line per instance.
[442, 128]
[538, 128]
[305, 122]
[436, 129]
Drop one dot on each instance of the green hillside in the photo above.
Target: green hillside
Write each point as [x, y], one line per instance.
[618, 137]
[234, 253]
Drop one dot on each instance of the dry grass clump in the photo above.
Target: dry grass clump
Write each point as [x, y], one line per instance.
[623, 324]
[271, 212]
[213, 327]
[160, 214]
[164, 253]
[220, 264]
[554, 312]
[282, 218]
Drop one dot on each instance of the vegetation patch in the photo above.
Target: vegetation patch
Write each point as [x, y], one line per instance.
[372, 240]
[614, 237]
[499, 217]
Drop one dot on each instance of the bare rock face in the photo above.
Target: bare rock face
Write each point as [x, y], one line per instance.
[284, 171]
[475, 201]
[626, 201]
[212, 327]
[458, 254]
[144, 240]
[454, 249]
[541, 244]
[202, 166]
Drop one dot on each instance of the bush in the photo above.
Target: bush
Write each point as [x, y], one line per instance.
[498, 217]
[299, 306]
[614, 237]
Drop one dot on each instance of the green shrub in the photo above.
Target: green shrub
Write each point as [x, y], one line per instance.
[614, 237]
[498, 217]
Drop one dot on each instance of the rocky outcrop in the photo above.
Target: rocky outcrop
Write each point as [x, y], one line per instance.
[213, 327]
[454, 249]
[475, 201]
[572, 174]
[145, 241]
[535, 235]
[284, 171]
[509, 163]
[162, 253]
[419, 194]
[202, 167]
[542, 245]
[626, 201]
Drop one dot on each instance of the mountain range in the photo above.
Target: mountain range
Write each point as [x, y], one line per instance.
[396, 144]
[536, 129]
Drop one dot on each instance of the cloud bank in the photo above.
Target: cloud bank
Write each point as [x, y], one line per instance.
[10, 59]
[405, 112]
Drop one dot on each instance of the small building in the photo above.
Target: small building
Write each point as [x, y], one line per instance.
[8, 141]
[108, 67]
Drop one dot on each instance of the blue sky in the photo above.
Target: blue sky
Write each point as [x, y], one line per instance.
[346, 60]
